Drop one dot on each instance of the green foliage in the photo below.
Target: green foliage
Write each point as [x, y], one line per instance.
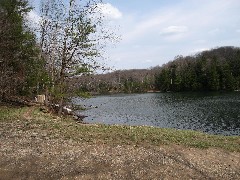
[21, 70]
[83, 69]
[57, 92]
[163, 80]
[83, 94]
[104, 87]
[213, 70]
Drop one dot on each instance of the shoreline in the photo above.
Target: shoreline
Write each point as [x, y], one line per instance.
[37, 145]
[169, 135]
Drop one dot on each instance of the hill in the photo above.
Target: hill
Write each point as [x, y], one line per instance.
[213, 70]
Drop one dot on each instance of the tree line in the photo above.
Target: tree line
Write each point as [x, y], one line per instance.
[213, 70]
[121, 81]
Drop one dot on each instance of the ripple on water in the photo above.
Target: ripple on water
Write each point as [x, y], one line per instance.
[215, 113]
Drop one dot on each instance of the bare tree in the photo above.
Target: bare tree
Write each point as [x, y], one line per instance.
[72, 37]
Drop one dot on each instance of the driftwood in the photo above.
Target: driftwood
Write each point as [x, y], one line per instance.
[69, 112]
[65, 111]
[17, 101]
[79, 117]
[20, 101]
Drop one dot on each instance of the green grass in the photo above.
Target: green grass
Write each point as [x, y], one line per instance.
[132, 135]
[10, 113]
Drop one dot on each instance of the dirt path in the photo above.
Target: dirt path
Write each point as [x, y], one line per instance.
[34, 154]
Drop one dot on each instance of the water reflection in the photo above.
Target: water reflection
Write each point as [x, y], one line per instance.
[216, 113]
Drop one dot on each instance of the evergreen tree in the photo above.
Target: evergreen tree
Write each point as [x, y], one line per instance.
[213, 70]
[19, 62]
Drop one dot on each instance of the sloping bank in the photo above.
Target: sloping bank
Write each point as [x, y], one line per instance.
[35, 145]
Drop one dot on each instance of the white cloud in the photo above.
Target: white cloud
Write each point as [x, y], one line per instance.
[110, 11]
[238, 30]
[34, 17]
[172, 30]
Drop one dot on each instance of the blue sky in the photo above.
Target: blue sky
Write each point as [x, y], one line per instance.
[153, 32]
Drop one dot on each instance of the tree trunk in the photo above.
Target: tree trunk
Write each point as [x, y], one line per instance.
[62, 78]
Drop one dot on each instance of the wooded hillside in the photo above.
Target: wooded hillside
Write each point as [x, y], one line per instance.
[213, 70]
[121, 81]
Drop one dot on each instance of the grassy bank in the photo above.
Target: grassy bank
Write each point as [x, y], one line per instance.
[32, 120]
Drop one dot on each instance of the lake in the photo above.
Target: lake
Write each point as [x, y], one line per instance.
[214, 113]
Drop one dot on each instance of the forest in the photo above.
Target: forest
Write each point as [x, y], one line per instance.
[214, 70]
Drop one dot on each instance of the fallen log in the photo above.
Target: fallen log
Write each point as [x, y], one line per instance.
[79, 118]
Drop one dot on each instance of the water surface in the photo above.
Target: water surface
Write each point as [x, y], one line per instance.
[215, 113]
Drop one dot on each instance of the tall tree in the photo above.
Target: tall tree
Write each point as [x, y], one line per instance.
[18, 55]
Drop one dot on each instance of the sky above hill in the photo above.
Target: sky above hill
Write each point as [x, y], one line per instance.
[153, 32]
